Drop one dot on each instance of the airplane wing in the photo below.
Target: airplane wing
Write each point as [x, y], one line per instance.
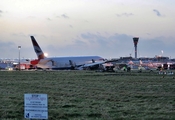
[97, 63]
[92, 64]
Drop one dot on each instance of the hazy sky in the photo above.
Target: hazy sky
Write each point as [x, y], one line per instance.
[87, 27]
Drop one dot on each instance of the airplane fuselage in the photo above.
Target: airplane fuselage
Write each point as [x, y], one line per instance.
[67, 62]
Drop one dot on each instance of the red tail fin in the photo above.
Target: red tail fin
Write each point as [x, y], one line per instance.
[37, 48]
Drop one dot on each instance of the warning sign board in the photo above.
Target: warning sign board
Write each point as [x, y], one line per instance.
[35, 106]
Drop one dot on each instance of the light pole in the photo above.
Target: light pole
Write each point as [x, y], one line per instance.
[19, 47]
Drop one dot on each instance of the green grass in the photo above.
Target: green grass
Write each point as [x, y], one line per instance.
[80, 95]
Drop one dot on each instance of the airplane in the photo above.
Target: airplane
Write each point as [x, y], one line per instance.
[132, 65]
[150, 65]
[62, 63]
[141, 65]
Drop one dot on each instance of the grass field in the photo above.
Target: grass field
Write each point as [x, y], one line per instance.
[90, 95]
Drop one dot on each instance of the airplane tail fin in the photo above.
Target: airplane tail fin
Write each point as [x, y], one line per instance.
[141, 62]
[37, 48]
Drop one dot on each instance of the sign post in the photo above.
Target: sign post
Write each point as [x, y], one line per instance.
[35, 106]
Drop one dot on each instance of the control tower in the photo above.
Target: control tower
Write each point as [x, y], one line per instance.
[135, 40]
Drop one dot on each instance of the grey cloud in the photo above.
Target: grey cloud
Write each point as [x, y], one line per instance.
[148, 33]
[122, 45]
[86, 21]
[5, 44]
[21, 34]
[1, 12]
[154, 46]
[79, 42]
[72, 49]
[118, 38]
[48, 19]
[70, 26]
[157, 12]
[88, 36]
[114, 46]
[7, 49]
[125, 14]
[64, 16]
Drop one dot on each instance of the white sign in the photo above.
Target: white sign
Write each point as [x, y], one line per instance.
[35, 106]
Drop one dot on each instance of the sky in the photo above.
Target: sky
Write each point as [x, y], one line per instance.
[87, 27]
